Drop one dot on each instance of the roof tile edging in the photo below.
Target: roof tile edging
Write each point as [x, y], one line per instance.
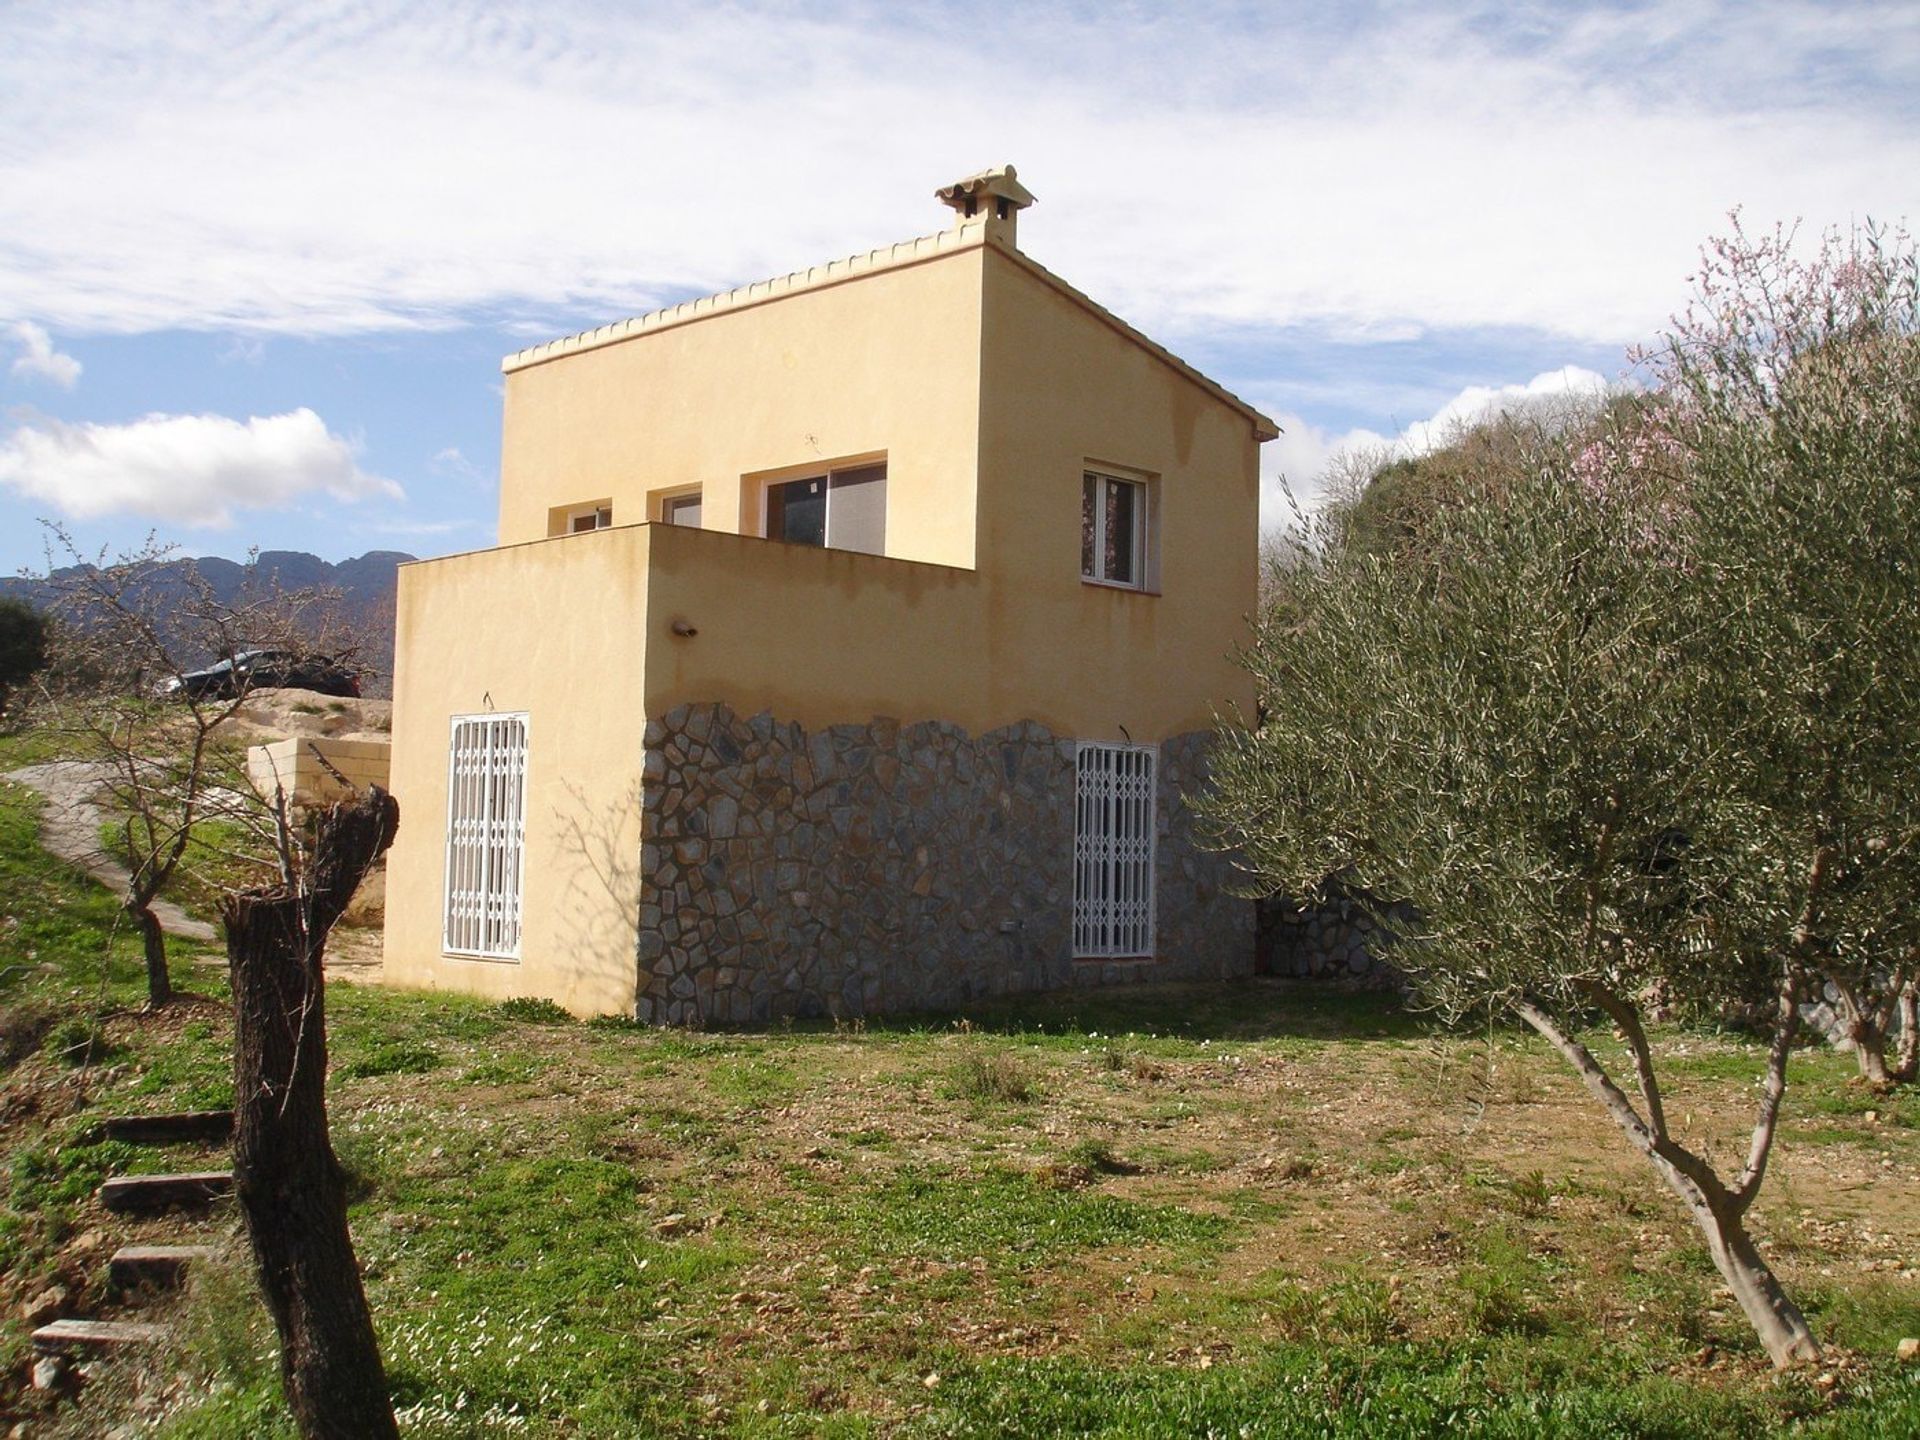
[833, 272]
[758, 292]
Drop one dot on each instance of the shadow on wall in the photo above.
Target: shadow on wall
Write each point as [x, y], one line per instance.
[598, 908]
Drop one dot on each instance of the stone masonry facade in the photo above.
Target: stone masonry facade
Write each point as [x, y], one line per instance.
[870, 868]
[1337, 936]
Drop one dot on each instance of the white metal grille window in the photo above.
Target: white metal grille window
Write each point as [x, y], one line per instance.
[1113, 851]
[486, 827]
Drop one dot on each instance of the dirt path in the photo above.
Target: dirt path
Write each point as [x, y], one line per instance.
[70, 828]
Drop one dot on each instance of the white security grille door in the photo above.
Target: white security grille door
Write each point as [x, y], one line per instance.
[486, 823]
[1113, 851]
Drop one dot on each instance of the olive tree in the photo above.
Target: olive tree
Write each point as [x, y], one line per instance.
[1484, 736]
[23, 645]
[1625, 726]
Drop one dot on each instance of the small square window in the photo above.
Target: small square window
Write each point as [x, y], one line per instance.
[1113, 530]
[578, 519]
[681, 510]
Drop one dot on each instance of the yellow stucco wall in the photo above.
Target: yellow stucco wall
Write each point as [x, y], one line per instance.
[824, 637]
[553, 629]
[989, 391]
[1063, 388]
[885, 364]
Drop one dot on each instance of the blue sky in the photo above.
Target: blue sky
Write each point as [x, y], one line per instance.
[258, 263]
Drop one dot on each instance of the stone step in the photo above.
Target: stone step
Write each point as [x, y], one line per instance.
[212, 1127]
[69, 1337]
[158, 1267]
[159, 1192]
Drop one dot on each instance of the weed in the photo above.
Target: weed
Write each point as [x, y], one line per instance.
[984, 1074]
[1097, 1155]
[501, 1070]
[529, 1010]
[1531, 1193]
[395, 1057]
[78, 1041]
[23, 1028]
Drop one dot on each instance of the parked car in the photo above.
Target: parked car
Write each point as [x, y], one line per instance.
[259, 669]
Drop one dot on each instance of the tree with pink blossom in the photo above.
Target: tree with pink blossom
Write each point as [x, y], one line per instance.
[1641, 722]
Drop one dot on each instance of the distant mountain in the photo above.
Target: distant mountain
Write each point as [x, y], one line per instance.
[365, 585]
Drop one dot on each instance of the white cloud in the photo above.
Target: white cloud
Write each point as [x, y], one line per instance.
[349, 165]
[451, 462]
[38, 360]
[1298, 461]
[187, 469]
[1476, 402]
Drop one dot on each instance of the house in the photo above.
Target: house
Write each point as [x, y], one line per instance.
[850, 641]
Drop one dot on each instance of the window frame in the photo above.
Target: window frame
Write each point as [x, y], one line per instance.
[1146, 567]
[563, 520]
[1116, 918]
[662, 502]
[515, 750]
[764, 486]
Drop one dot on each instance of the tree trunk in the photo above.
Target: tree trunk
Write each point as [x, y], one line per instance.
[153, 940]
[1906, 1067]
[1860, 1034]
[1775, 1318]
[1870, 1053]
[1717, 1209]
[291, 1188]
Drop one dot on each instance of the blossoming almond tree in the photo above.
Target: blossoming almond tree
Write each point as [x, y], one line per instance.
[1790, 400]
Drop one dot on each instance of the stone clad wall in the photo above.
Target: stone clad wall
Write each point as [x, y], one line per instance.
[877, 867]
[1336, 937]
[1203, 929]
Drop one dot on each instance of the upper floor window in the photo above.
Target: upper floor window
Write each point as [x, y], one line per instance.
[675, 507]
[577, 519]
[842, 509]
[1113, 530]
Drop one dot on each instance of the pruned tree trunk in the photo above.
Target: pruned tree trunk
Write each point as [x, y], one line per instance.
[153, 941]
[291, 1188]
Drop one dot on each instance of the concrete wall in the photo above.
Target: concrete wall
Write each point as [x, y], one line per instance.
[555, 629]
[316, 770]
[887, 364]
[1063, 389]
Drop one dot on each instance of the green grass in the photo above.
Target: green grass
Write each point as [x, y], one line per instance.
[1268, 1211]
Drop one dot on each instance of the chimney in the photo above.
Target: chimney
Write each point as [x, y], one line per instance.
[995, 197]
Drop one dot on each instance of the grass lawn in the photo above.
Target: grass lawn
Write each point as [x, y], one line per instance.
[1267, 1210]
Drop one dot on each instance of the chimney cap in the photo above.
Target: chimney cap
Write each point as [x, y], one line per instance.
[1000, 183]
